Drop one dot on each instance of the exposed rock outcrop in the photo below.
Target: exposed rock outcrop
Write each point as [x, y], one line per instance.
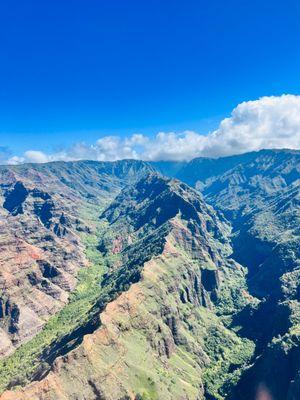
[172, 314]
[166, 283]
[41, 250]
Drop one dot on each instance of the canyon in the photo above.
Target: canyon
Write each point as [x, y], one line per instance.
[137, 280]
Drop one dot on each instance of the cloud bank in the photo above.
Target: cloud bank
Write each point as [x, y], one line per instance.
[267, 123]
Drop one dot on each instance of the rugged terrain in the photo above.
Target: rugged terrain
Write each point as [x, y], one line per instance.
[119, 283]
[41, 247]
[259, 194]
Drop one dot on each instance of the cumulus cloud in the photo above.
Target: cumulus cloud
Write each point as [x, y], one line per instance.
[270, 122]
[266, 123]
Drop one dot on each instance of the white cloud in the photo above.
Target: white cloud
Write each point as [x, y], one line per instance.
[270, 122]
[36, 156]
[15, 160]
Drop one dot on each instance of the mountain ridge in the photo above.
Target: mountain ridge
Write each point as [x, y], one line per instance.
[191, 233]
[234, 316]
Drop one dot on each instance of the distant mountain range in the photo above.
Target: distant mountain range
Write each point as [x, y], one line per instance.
[151, 281]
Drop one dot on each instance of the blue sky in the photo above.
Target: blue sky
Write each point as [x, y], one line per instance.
[77, 71]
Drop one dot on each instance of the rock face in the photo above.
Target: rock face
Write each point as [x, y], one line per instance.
[41, 249]
[173, 266]
[156, 291]
[259, 194]
[39, 259]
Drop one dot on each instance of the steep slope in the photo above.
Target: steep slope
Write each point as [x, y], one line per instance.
[259, 194]
[171, 290]
[41, 224]
[203, 170]
[149, 301]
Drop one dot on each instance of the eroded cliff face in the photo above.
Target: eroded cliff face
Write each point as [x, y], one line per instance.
[41, 252]
[41, 225]
[162, 338]
[259, 194]
[137, 332]
[141, 277]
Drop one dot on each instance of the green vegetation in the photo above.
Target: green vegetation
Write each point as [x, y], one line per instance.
[192, 327]
[18, 368]
[233, 296]
[94, 289]
[229, 355]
